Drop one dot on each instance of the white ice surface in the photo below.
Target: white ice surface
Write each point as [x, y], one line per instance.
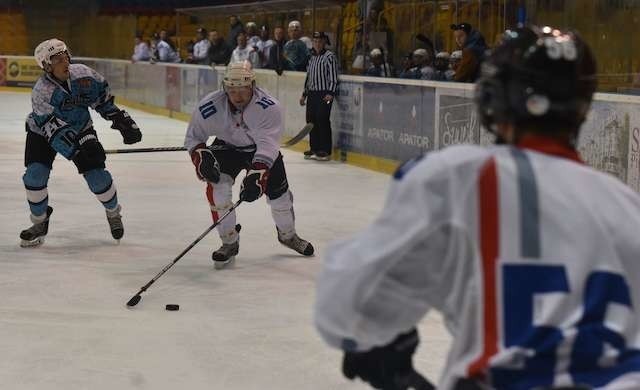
[63, 320]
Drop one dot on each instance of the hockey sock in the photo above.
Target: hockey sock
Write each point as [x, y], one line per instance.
[283, 215]
[219, 197]
[101, 184]
[35, 181]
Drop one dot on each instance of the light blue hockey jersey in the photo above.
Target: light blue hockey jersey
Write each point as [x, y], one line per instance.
[60, 115]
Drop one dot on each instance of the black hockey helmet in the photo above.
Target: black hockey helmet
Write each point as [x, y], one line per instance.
[542, 78]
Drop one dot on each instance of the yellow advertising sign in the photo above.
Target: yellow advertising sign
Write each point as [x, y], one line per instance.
[21, 72]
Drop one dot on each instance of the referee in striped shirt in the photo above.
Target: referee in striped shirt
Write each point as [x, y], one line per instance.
[320, 88]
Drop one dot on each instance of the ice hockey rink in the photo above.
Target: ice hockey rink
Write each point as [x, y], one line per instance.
[63, 319]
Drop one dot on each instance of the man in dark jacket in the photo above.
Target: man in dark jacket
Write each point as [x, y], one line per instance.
[473, 46]
[219, 51]
[235, 27]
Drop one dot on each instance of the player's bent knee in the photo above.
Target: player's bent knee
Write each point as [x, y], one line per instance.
[36, 175]
[283, 203]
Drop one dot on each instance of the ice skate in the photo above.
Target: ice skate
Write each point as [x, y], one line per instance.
[323, 156]
[309, 154]
[34, 236]
[115, 223]
[297, 244]
[225, 255]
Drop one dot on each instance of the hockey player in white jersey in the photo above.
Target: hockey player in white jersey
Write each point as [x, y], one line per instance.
[60, 123]
[247, 125]
[531, 256]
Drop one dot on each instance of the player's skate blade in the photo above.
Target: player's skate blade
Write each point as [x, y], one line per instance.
[225, 255]
[299, 245]
[115, 223]
[34, 236]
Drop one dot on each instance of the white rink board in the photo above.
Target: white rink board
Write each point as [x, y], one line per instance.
[63, 321]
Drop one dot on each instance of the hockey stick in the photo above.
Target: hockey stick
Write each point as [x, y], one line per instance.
[298, 137]
[146, 150]
[136, 298]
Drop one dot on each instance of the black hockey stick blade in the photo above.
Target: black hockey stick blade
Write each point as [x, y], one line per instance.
[301, 134]
[146, 150]
[134, 300]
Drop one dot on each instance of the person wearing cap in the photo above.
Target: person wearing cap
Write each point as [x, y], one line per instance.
[295, 50]
[200, 48]
[320, 88]
[441, 66]
[379, 67]
[473, 47]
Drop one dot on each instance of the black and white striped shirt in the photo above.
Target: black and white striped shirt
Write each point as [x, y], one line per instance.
[322, 73]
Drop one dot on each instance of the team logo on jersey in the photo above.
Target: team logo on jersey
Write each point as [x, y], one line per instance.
[84, 83]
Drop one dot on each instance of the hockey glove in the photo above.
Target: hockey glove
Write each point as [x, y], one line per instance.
[207, 167]
[386, 367]
[255, 183]
[127, 127]
[90, 148]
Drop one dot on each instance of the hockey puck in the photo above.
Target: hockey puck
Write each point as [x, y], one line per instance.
[172, 307]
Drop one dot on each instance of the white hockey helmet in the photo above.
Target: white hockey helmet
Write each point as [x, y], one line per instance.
[239, 74]
[47, 49]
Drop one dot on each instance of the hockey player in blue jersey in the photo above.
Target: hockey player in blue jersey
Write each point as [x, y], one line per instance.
[60, 124]
[530, 255]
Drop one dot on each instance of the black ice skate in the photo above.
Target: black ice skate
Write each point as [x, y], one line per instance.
[34, 236]
[115, 222]
[225, 255]
[297, 244]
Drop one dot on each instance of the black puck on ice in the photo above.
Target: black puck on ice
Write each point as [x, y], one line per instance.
[172, 307]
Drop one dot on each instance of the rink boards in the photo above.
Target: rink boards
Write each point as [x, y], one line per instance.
[376, 122]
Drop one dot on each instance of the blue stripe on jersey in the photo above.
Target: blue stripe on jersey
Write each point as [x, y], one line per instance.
[529, 207]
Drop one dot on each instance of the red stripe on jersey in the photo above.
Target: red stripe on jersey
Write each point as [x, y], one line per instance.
[489, 239]
[214, 214]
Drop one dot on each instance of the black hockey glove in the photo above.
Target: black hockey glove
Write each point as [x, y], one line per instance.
[90, 148]
[255, 183]
[387, 367]
[207, 167]
[127, 126]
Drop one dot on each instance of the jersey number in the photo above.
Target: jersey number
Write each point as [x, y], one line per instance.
[265, 102]
[207, 109]
[598, 352]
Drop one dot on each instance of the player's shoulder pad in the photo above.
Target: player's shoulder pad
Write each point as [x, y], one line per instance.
[211, 103]
[78, 71]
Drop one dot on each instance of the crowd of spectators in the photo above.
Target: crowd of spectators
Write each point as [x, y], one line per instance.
[270, 49]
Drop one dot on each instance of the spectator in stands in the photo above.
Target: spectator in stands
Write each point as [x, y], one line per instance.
[219, 51]
[276, 60]
[422, 68]
[441, 66]
[163, 52]
[473, 47]
[244, 52]
[164, 36]
[406, 64]
[375, 22]
[235, 26]
[200, 48]
[252, 34]
[379, 67]
[295, 50]
[141, 50]
[361, 61]
[454, 63]
[263, 46]
[320, 87]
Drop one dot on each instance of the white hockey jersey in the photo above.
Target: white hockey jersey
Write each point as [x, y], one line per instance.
[259, 124]
[532, 258]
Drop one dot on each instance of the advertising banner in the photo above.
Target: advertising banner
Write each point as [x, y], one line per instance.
[173, 88]
[346, 117]
[398, 120]
[21, 72]
[3, 71]
[610, 140]
[458, 120]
